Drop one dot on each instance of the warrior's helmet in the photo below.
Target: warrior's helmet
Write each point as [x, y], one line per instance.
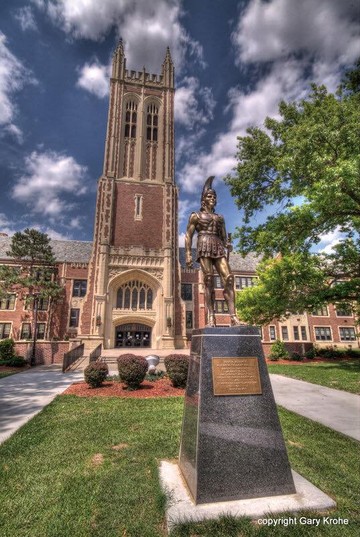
[207, 188]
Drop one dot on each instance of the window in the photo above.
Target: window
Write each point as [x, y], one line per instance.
[25, 331]
[217, 282]
[40, 331]
[343, 310]
[134, 295]
[130, 119]
[5, 329]
[8, 302]
[221, 306]
[241, 282]
[189, 319]
[74, 317]
[152, 120]
[186, 291]
[347, 333]
[138, 206]
[321, 312]
[323, 333]
[42, 304]
[296, 333]
[303, 333]
[284, 333]
[272, 333]
[79, 288]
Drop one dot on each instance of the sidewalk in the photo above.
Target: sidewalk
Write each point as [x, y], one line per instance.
[24, 394]
[334, 408]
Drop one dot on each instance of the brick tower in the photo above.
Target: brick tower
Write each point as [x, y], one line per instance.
[133, 297]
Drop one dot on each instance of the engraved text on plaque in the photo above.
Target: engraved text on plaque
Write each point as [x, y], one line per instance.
[236, 376]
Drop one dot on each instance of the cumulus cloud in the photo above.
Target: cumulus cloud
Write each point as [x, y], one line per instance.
[194, 105]
[145, 27]
[181, 240]
[13, 76]
[25, 17]
[48, 176]
[7, 226]
[273, 30]
[329, 240]
[94, 78]
[246, 109]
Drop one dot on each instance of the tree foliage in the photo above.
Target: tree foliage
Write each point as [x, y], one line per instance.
[303, 166]
[33, 270]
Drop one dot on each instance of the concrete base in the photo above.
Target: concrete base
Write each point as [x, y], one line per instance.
[181, 508]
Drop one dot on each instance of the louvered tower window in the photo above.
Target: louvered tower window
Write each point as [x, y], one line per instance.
[130, 119]
[152, 119]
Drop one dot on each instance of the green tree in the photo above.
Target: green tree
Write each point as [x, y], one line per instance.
[32, 273]
[305, 166]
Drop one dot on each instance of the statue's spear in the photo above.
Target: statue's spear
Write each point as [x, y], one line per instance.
[229, 241]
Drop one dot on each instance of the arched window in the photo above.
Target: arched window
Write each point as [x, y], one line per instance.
[134, 295]
[152, 120]
[130, 119]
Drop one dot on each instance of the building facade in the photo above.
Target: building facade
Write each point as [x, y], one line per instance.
[130, 287]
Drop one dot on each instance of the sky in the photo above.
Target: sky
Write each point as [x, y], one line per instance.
[234, 62]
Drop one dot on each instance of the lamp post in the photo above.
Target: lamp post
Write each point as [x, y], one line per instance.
[35, 310]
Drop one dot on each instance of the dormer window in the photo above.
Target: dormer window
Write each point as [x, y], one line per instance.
[130, 119]
[152, 120]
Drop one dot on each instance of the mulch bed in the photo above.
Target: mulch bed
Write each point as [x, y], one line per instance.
[9, 369]
[159, 388]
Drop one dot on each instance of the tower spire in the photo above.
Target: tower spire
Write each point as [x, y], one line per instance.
[119, 61]
[168, 70]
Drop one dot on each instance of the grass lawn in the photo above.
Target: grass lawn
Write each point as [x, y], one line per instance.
[341, 375]
[88, 467]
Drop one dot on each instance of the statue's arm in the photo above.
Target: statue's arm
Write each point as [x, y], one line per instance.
[190, 230]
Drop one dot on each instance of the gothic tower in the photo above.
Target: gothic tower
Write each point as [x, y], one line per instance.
[133, 296]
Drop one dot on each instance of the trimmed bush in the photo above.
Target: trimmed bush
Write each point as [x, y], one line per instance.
[311, 354]
[7, 349]
[177, 367]
[95, 374]
[278, 351]
[330, 353]
[16, 361]
[132, 370]
[296, 357]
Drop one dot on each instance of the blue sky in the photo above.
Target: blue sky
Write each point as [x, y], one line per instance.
[234, 61]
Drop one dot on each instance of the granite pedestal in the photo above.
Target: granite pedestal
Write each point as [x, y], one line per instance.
[232, 446]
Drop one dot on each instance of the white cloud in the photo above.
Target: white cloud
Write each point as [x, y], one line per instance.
[325, 31]
[7, 226]
[48, 176]
[13, 76]
[94, 78]
[144, 26]
[181, 240]
[329, 240]
[186, 207]
[247, 109]
[25, 16]
[193, 105]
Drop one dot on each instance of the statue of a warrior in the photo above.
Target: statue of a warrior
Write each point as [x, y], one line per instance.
[212, 249]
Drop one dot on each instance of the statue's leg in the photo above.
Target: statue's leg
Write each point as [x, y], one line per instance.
[207, 269]
[222, 266]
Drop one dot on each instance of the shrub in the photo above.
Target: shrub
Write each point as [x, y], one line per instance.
[17, 361]
[330, 353]
[95, 374]
[311, 353]
[278, 351]
[132, 370]
[177, 367]
[296, 357]
[7, 349]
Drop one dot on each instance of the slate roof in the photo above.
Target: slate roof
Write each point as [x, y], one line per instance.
[70, 251]
[80, 251]
[238, 263]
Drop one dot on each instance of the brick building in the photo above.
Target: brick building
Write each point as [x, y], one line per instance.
[130, 287]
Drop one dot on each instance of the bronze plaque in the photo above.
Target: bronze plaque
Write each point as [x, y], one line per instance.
[236, 376]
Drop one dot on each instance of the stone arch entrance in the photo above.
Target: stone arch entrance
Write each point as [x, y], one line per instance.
[131, 335]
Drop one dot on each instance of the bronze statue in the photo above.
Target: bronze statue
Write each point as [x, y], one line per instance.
[213, 248]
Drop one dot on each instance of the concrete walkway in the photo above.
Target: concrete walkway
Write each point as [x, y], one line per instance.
[24, 394]
[334, 408]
